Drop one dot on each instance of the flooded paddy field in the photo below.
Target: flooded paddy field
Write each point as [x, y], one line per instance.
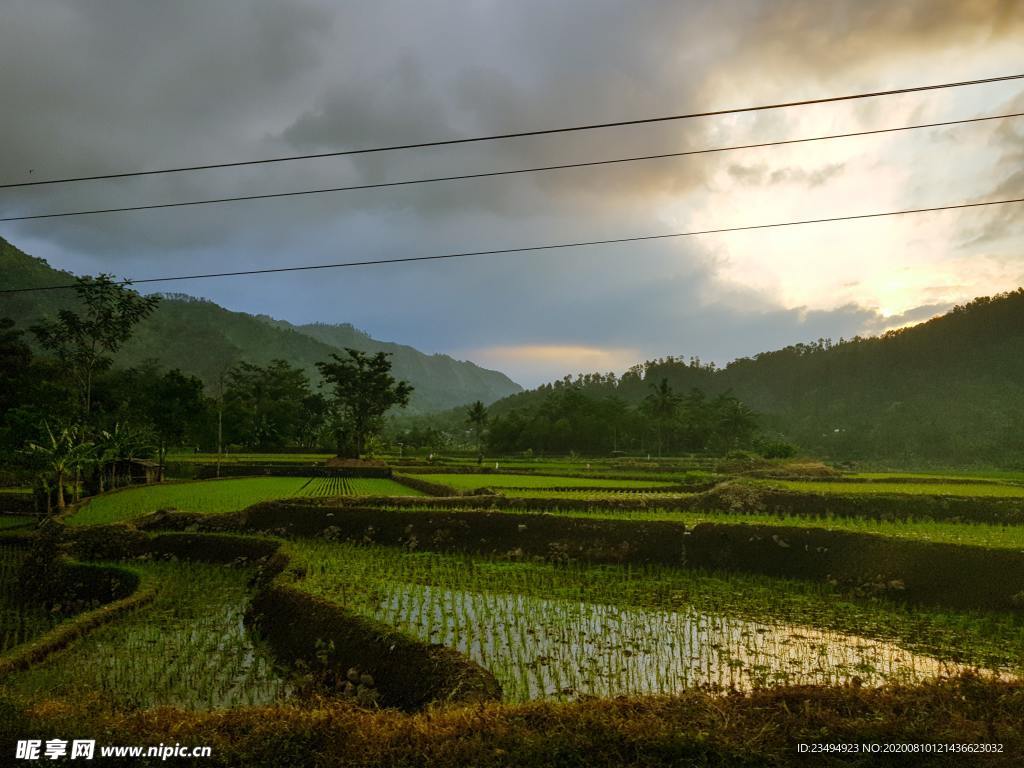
[544, 648]
[188, 648]
[567, 631]
[19, 622]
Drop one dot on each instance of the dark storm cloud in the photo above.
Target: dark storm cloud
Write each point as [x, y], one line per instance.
[109, 86]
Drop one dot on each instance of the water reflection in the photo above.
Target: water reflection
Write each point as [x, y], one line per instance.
[546, 648]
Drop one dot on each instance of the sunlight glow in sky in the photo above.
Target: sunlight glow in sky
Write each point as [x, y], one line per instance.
[209, 83]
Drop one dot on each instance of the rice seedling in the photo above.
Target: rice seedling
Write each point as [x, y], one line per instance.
[540, 627]
[229, 495]
[987, 475]
[470, 482]
[189, 457]
[594, 494]
[994, 535]
[188, 649]
[204, 496]
[997, 490]
[356, 486]
[19, 622]
[540, 648]
[16, 521]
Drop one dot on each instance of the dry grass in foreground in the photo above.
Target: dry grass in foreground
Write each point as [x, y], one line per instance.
[692, 729]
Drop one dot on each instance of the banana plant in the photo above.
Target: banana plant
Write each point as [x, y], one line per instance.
[62, 452]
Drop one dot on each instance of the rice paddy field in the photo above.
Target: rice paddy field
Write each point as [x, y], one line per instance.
[248, 458]
[228, 495]
[555, 631]
[985, 476]
[18, 622]
[549, 629]
[472, 482]
[992, 489]
[187, 649]
[998, 536]
[594, 494]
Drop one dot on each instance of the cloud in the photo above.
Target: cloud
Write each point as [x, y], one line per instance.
[93, 88]
[999, 224]
[760, 174]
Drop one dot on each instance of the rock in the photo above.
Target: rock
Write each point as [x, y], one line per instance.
[366, 679]
[353, 674]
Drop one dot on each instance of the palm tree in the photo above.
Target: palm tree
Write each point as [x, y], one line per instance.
[476, 415]
[736, 422]
[63, 453]
[661, 405]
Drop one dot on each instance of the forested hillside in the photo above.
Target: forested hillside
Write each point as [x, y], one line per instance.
[948, 390]
[204, 339]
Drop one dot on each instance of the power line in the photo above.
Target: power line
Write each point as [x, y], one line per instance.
[548, 247]
[489, 174]
[522, 134]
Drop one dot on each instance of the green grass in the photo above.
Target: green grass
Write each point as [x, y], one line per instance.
[220, 496]
[931, 489]
[16, 521]
[1003, 475]
[465, 600]
[975, 534]
[469, 482]
[187, 649]
[214, 496]
[652, 471]
[248, 458]
[594, 494]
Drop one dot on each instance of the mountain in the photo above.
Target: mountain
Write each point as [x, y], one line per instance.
[947, 390]
[439, 373]
[203, 338]
[950, 390]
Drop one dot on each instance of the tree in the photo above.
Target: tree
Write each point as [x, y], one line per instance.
[267, 405]
[177, 405]
[698, 420]
[735, 423]
[84, 342]
[476, 415]
[661, 405]
[15, 358]
[312, 419]
[62, 453]
[364, 390]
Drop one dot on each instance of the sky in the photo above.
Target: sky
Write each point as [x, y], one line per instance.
[118, 85]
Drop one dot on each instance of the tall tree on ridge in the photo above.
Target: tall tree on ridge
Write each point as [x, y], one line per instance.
[364, 390]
